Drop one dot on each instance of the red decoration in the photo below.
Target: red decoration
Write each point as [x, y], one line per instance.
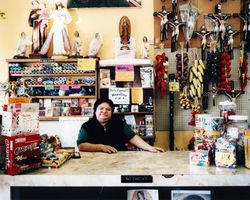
[161, 73]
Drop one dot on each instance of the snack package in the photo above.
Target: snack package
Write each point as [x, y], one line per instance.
[225, 153]
[22, 153]
[199, 158]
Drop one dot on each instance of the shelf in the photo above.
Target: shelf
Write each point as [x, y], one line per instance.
[42, 60]
[52, 75]
[57, 118]
[62, 97]
[129, 87]
[125, 61]
[133, 113]
[60, 85]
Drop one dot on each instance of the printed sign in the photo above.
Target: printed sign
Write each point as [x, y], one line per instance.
[119, 95]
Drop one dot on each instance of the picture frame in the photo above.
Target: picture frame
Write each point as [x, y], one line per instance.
[103, 3]
[190, 194]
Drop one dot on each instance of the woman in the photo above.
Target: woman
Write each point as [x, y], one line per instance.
[107, 133]
[58, 32]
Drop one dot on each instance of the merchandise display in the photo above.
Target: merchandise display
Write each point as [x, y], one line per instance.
[61, 87]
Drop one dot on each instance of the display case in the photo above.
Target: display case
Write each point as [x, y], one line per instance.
[129, 83]
[61, 87]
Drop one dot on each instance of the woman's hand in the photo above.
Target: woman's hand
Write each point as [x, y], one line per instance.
[155, 149]
[108, 149]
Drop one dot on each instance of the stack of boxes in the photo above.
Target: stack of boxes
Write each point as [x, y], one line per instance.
[20, 129]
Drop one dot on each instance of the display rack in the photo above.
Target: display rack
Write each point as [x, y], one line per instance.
[56, 82]
[142, 114]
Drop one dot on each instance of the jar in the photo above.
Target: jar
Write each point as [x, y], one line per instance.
[227, 108]
[236, 127]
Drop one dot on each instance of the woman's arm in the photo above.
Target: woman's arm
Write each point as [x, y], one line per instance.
[96, 148]
[137, 141]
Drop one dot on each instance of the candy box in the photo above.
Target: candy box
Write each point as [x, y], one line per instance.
[22, 153]
[225, 153]
[199, 158]
[19, 122]
[2, 152]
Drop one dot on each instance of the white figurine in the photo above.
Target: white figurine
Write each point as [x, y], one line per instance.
[145, 48]
[77, 47]
[22, 46]
[95, 45]
[58, 32]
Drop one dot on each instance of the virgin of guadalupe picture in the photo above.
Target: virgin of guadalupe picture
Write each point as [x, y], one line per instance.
[125, 31]
[103, 3]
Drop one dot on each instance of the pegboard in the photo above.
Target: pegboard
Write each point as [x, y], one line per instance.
[182, 117]
[205, 7]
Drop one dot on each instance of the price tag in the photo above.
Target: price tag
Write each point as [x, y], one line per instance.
[174, 87]
[64, 87]
[225, 158]
[86, 64]
[47, 60]
[49, 87]
[76, 86]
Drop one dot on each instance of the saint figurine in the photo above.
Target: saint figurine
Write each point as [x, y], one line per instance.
[58, 33]
[77, 47]
[145, 48]
[94, 46]
[38, 20]
[23, 44]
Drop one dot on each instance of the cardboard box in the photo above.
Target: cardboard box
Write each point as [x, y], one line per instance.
[22, 153]
[20, 123]
[199, 158]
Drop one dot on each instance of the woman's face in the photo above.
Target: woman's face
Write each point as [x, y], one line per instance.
[103, 112]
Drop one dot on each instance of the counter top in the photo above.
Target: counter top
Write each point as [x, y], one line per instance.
[137, 163]
[101, 169]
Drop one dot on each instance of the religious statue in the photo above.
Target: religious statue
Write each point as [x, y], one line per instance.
[77, 47]
[23, 44]
[58, 33]
[94, 46]
[38, 20]
[145, 48]
[125, 31]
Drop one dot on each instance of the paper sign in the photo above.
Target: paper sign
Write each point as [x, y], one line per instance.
[137, 96]
[19, 100]
[124, 73]
[119, 95]
[76, 86]
[174, 87]
[86, 64]
[64, 87]
[69, 129]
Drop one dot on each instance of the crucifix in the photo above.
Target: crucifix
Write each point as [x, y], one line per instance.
[230, 40]
[175, 34]
[203, 35]
[221, 19]
[163, 15]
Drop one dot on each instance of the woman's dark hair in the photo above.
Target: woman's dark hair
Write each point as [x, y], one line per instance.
[141, 193]
[100, 101]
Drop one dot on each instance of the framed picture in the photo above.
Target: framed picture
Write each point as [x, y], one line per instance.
[142, 194]
[134, 108]
[190, 194]
[103, 3]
